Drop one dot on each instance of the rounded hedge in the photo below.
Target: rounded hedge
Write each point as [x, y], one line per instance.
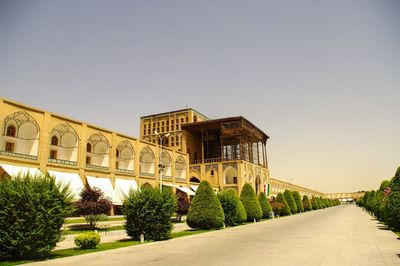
[250, 203]
[283, 209]
[265, 206]
[87, 240]
[315, 204]
[230, 204]
[297, 200]
[148, 211]
[206, 211]
[290, 200]
[33, 209]
[307, 203]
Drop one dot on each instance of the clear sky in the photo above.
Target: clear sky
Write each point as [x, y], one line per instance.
[321, 78]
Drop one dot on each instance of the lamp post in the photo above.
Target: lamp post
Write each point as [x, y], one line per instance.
[160, 164]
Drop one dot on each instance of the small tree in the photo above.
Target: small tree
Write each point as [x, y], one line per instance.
[290, 200]
[297, 200]
[206, 211]
[265, 206]
[282, 205]
[233, 208]
[315, 203]
[307, 203]
[183, 205]
[149, 212]
[33, 209]
[392, 206]
[250, 203]
[92, 205]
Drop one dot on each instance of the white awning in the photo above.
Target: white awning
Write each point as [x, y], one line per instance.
[14, 170]
[102, 183]
[183, 189]
[122, 189]
[72, 179]
[186, 190]
[194, 187]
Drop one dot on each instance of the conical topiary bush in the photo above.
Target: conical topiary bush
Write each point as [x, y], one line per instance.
[250, 203]
[307, 203]
[233, 208]
[206, 211]
[284, 210]
[297, 200]
[290, 200]
[265, 206]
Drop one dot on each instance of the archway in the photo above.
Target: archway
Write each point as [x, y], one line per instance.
[230, 176]
[147, 162]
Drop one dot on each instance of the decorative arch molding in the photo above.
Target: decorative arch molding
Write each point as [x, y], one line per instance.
[126, 150]
[166, 163]
[97, 139]
[180, 167]
[230, 175]
[226, 165]
[20, 119]
[63, 131]
[147, 160]
[210, 167]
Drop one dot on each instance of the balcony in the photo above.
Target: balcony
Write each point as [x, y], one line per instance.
[125, 171]
[18, 155]
[97, 167]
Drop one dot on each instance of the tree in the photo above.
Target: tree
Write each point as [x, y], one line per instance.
[233, 208]
[265, 206]
[297, 200]
[148, 211]
[250, 203]
[370, 199]
[290, 200]
[315, 203]
[92, 204]
[183, 205]
[33, 209]
[206, 211]
[307, 203]
[392, 206]
[283, 206]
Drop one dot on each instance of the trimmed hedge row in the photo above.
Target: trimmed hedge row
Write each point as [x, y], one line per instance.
[384, 203]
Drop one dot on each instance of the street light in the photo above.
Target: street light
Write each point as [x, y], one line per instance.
[160, 164]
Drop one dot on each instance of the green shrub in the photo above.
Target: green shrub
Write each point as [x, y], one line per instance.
[230, 204]
[92, 205]
[149, 212]
[206, 211]
[32, 211]
[307, 203]
[87, 240]
[265, 206]
[315, 204]
[370, 199]
[365, 198]
[290, 200]
[392, 205]
[282, 205]
[297, 200]
[250, 203]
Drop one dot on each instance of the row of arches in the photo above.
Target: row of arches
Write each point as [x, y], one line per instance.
[21, 136]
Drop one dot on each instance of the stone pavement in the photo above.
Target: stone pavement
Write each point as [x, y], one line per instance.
[343, 235]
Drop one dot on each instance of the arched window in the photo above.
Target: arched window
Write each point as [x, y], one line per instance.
[54, 141]
[11, 131]
[195, 118]
[194, 180]
[89, 147]
[117, 153]
[212, 172]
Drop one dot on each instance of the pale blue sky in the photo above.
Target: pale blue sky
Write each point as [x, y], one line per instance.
[321, 78]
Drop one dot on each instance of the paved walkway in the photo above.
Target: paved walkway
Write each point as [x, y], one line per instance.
[343, 235]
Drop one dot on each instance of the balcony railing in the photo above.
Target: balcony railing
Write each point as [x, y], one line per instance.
[18, 155]
[125, 171]
[146, 174]
[99, 167]
[65, 162]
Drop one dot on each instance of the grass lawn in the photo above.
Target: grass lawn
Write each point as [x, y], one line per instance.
[82, 220]
[84, 230]
[397, 233]
[101, 247]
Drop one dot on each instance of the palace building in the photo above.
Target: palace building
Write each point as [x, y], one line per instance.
[227, 152]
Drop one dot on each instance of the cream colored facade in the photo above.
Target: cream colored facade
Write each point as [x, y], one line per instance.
[47, 141]
[278, 186]
[169, 122]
